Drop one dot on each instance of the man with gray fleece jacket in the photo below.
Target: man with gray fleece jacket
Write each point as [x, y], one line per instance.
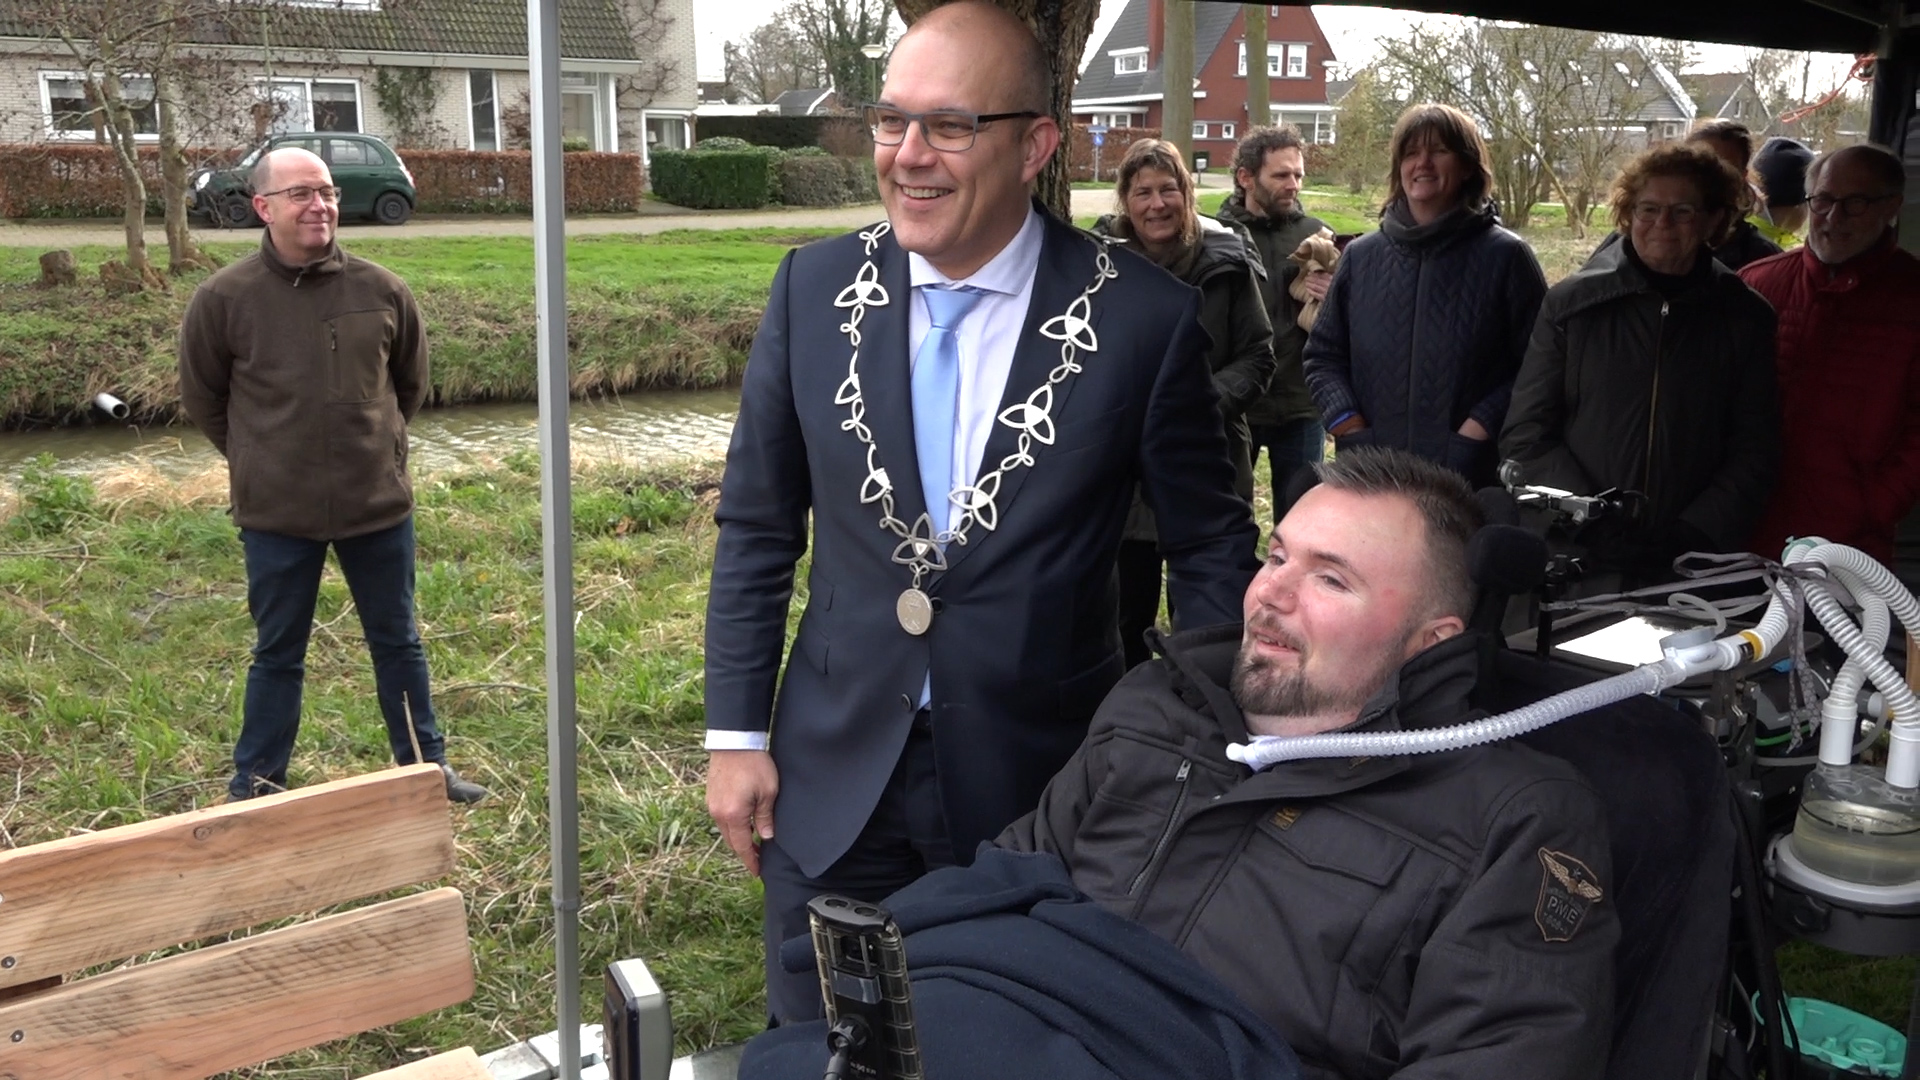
[302, 364]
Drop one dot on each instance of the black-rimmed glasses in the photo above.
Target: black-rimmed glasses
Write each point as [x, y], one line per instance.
[1850, 206]
[944, 130]
[302, 194]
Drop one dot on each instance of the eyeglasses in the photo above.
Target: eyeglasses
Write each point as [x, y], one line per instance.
[1851, 206]
[1647, 213]
[302, 195]
[951, 132]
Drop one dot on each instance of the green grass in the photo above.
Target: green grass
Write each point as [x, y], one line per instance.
[676, 310]
[120, 688]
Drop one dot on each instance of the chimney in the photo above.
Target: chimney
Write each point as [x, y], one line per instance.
[1156, 32]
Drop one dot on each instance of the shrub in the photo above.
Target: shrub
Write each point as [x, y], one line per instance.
[501, 181]
[576, 145]
[843, 135]
[722, 142]
[50, 502]
[38, 180]
[808, 151]
[821, 180]
[716, 179]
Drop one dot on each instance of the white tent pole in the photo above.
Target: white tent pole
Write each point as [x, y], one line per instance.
[556, 513]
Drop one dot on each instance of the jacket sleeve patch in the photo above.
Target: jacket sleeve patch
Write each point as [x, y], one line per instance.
[1568, 890]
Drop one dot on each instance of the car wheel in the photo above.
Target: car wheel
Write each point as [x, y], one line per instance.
[392, 209]
[236, 212]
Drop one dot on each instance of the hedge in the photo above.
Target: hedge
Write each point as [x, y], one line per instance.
[1080, 150]
[501, 181]
[717, 179]
[821, 180]
[786, 132]
[52, 180]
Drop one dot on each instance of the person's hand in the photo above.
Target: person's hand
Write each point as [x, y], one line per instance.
[1317, 282]
[741, 785]
[1475, 430]
[1351, 424]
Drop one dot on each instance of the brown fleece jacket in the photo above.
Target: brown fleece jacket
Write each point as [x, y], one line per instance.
[305, 378]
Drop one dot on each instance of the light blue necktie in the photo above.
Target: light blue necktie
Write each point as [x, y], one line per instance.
[936, 395]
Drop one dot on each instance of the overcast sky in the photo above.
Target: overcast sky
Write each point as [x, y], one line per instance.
[1351, 30]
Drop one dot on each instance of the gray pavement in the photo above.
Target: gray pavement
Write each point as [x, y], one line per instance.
[654, 218]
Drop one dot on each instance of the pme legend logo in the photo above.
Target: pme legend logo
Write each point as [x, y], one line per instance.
[1568, 890]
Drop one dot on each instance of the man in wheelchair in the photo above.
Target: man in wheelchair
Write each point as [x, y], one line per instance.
[1432, 915]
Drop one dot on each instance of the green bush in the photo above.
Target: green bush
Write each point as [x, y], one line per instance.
[807, 151]
[722, 142]
[578, 144]
[50, 502]
[807, 180]
[717, 179]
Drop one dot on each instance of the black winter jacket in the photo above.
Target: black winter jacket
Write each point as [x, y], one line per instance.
[1274, 240]
[1433, 916]
[1672, 398]
[1234, 315]
[1424, 327]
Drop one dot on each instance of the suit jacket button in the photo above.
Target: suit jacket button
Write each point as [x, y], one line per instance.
[906, 702]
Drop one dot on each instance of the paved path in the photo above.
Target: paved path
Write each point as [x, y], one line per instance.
[655, 218]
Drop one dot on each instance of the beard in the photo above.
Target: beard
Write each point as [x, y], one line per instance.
[1261, 687]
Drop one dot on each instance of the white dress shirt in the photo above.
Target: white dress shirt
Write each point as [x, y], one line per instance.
[988, 337]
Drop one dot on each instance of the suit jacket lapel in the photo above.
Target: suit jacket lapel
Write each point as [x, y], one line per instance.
[1066, 268]
[886, 381]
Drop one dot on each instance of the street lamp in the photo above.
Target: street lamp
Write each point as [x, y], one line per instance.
[872, 51]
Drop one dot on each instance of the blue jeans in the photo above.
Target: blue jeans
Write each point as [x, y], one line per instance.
[283, 584]
[1289, 446]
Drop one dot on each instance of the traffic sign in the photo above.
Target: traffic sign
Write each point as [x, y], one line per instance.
[1097, 129]
[1099, 138]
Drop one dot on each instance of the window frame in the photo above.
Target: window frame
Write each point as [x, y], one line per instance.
[48, 76]
[473, 139]
[1301, 51]
[1125, 60]
[1200, 129]
[262, 83]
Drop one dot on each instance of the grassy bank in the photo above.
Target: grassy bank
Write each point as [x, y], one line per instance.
[125, 635]
[677, 310]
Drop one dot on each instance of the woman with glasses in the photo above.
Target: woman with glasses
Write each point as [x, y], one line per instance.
[1653, 372]
[1732, 143]
[1426, 320]
[1157, 217]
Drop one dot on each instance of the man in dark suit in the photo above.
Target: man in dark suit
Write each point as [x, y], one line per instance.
[954, 644]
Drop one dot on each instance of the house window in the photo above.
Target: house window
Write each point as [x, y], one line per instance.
[580, 108]
[484, 107]
[1226, 131]
[313, 105]
[69, 115]
[668, 131]
[1199, 129]
[1129, 61]
[1296, 61]
[1284, 61]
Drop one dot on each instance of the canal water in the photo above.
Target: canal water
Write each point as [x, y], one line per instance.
[645, 429]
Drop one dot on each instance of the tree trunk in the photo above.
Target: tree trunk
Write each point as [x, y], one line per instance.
[182, 254]
[133, 188]
[1063, 27]
[1176, 68]
[1259, 111]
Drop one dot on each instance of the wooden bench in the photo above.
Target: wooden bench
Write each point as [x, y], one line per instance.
[85, 901]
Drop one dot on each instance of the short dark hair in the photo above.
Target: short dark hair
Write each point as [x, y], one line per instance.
[1881, 162]
[1445, 502]
[1454, 130]
[1252, 152]
[1727, 131]
[1720, 187]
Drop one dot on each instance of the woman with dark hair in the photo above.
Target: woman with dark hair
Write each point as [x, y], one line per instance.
[1732, 143]
[1157, 217]
[1426, 320]
[1653, 372]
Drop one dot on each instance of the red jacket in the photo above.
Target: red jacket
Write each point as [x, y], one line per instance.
[1849, 365]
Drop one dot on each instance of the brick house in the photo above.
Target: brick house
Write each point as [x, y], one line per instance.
[627, 75]
[1122, 85]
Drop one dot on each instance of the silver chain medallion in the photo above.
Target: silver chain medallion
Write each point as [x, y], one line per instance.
[920, 550]
[915, 611]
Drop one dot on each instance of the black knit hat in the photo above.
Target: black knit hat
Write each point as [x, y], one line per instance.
[1782, 165]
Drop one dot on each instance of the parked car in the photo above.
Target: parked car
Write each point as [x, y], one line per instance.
[373, 181]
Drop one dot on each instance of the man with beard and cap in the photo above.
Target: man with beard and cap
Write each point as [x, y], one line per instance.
[1848, 363]
[1269, 169]
[302, 364]
[1436, 915]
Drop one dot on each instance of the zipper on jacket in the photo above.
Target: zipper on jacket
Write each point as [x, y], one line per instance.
[333, 338]
[1413, 354]
[1166, 834]
[1653, 405]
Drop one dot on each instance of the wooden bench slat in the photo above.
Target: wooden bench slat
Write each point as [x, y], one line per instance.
[461, 1064]
[198, 1013]
[72, 903]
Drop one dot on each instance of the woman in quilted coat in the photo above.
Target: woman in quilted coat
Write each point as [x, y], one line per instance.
[1427, 319]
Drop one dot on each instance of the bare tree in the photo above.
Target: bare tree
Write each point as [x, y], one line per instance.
[1063, 27]
[648, 23]
[772, 59]
[835, 30]
[1365, 128]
